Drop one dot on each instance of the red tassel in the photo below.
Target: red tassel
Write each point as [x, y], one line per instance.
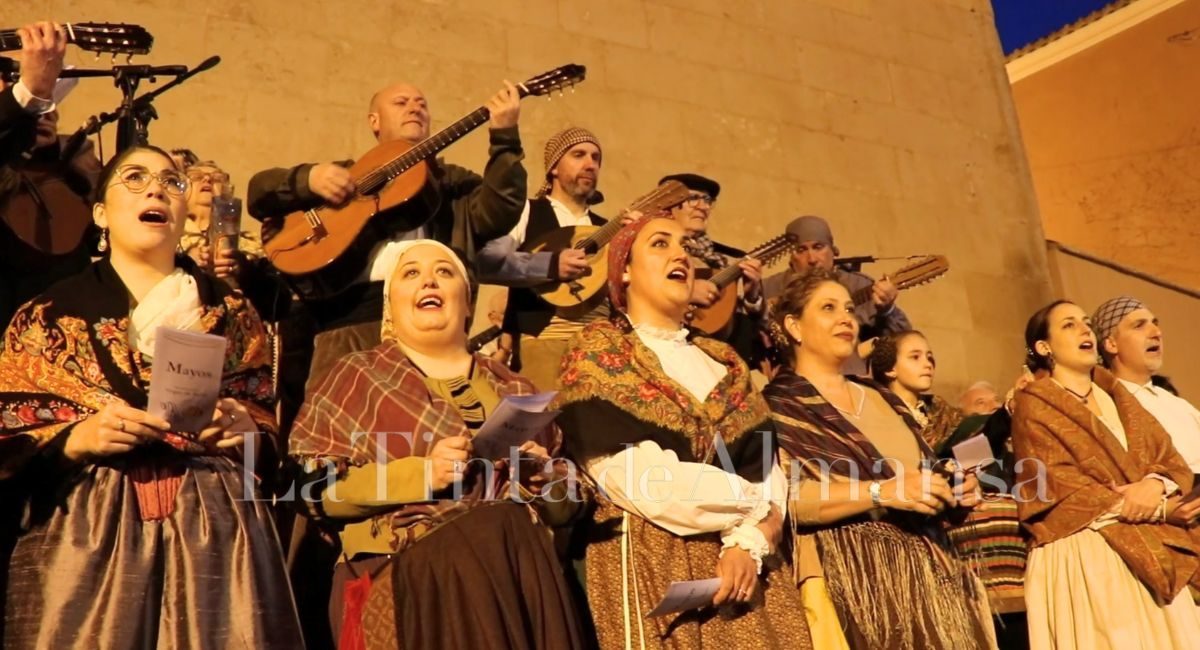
[354, 601]
[156, 487]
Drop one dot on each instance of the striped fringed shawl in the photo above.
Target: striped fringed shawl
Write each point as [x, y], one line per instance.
[891, 578]
[812, 429]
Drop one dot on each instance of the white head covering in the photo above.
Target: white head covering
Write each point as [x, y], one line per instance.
[173, 302]
[398, 251]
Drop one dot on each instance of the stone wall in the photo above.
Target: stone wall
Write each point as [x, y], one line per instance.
[891, 118]
[1113, 146]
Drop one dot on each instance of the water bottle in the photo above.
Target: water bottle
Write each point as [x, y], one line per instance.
[225, 224]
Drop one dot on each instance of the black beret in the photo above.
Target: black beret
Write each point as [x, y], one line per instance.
[695, 182]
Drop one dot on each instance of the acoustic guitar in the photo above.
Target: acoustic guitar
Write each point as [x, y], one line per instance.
[323, 249]
[717, 316]
[101, 38]
[594, 241]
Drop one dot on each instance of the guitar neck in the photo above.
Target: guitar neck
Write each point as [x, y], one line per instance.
[428, 147]
[601, 237]
[862, 296]
[766, 253]
[9, 40]
[726, 276]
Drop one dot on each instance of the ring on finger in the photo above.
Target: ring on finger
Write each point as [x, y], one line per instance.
[459, 467]
[121, 424]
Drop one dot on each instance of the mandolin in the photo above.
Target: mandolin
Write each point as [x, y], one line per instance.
[716, 317]
[594, 240]
[925, 269]
[325, 248]
[101, 38]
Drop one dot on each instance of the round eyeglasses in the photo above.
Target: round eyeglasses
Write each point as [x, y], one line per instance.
[136, 179]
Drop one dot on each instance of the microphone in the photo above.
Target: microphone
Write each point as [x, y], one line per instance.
[854, 261]
[207, 64]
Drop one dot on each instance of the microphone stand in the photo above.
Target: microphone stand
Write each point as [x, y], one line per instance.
[134, 114]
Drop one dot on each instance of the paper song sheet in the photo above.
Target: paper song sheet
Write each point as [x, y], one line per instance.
[685, 595]
[517, 420]
[187, 378]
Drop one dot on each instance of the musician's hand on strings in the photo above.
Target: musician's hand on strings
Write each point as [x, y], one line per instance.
[572, 264]
[752, 272]
[42, 47]
[630, 217]
[704, 293]
[504, 107]
[884, 293]
[331, 182]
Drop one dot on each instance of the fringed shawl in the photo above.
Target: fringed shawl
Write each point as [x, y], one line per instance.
[890, 579]
[607, 364]
[1078, 462]
[374, 406]
[67, 354]
[812, 429]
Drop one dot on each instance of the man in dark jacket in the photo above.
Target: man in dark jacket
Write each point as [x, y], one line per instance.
[462, 209]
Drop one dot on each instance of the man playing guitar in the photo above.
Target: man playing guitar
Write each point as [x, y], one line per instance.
[815, 249]
[456, 206]
[46, 229]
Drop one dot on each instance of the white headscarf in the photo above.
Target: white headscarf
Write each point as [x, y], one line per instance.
[398, 251]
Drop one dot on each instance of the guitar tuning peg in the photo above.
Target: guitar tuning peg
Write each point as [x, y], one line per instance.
[128, 58]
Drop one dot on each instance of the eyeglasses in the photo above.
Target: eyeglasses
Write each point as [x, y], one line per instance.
[695, 200]
[136, 179]
[200, 176]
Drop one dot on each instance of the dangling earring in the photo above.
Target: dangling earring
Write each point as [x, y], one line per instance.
[103, 245]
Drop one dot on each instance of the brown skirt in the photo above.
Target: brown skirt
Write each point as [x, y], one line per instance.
[91, 573]
[487, 579]
[653, 559]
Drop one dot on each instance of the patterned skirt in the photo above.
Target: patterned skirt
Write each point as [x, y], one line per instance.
[630, 562]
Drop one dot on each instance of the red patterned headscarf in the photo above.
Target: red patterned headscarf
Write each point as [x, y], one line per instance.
[618, 256]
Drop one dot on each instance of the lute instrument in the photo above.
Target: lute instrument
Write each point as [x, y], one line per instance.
[325, 248]
[593, 240]
[924, 270]
[717, 316]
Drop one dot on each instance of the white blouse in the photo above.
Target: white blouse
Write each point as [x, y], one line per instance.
[682, 497]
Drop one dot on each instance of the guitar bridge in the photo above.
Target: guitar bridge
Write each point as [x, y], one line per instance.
[319, 231]
[575, 289]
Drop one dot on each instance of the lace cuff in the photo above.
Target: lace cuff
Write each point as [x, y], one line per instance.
[750, 539]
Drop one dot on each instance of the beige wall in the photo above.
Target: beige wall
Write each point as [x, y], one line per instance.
[891, 118]
[1112, 139]
[1089, 284]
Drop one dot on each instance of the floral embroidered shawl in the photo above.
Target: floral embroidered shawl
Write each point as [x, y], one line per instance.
[66, 355]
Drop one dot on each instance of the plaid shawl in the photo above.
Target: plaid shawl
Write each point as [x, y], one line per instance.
[381, 393]
[809, 428]
[67, 354]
